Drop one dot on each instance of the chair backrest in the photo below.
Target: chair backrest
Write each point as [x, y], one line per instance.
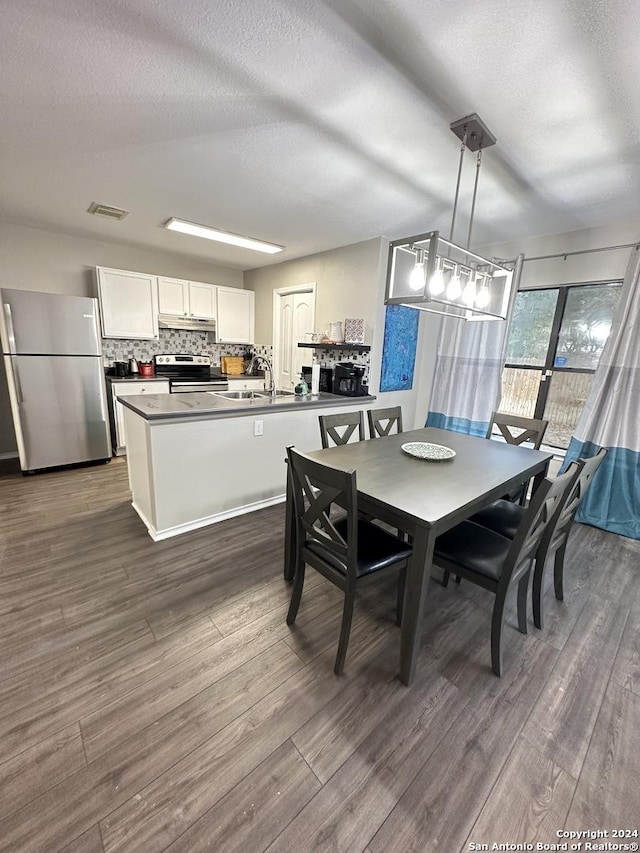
[316, 488]
[545, 503]
[348, 422]
[559, 531]
[382, 421]
[527, 429]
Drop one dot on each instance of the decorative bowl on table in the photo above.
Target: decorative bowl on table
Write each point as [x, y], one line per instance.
[428, 451]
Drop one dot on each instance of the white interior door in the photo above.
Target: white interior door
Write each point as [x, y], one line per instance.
[295, 317]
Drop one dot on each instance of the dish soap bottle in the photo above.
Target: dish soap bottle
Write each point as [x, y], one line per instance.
[301, 388]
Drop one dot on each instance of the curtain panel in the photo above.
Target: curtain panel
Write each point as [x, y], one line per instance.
[611, 419]
[468, 374]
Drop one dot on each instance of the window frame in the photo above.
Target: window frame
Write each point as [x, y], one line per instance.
[549, 368]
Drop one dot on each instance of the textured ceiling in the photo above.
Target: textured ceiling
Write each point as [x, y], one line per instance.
[316, 123]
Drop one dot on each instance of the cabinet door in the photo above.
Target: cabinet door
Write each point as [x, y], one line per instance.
[129, 389]
[202, 300]
[128, 304]
[173, 297]
[235, 316]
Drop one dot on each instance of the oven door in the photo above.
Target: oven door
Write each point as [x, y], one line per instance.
[191, 386]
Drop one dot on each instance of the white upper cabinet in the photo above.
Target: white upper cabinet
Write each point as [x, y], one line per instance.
[128, 304]
[202, 300]
[236, 316]
[173, 296]
[179, 298]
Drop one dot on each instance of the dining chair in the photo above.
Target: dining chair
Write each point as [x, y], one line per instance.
[382, 421]
[518, 430]
[504, 517]
[496, 563]
[346, 550]
[348, 422]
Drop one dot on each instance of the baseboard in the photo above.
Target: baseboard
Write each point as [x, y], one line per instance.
[169, 532]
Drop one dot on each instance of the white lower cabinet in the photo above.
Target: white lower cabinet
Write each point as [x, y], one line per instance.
[116, 410]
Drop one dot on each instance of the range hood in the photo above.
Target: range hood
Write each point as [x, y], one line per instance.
[168, 321]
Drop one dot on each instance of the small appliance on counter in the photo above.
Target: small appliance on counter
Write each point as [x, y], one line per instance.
[120, 368]
[187, 373]
[325, 382]
[133, 367]
[347, 380]
[146, 368]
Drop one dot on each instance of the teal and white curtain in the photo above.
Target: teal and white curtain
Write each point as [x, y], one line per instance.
[467, 380]
[611, 419]
[467, 384]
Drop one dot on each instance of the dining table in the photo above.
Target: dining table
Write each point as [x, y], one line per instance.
[424, 498]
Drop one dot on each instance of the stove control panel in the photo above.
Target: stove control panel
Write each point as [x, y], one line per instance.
[183, 360]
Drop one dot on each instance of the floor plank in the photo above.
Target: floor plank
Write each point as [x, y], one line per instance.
[525, 807]
[39, 768]
[608, 792]
[562, 721]
[454, 783]
[256, 810]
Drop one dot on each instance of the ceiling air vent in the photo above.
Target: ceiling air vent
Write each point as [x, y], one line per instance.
[107, 210]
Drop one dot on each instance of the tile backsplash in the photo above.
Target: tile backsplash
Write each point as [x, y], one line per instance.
[198, 343]
[175, 341]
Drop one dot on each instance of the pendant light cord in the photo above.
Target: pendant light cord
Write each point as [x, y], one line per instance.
[463, 148]
[475, 192]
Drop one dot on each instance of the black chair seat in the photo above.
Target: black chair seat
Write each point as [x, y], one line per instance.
[474, 548]
[377, 549]
[501, 516]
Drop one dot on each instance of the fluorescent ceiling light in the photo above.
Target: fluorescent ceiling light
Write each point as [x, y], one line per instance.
[221, 236]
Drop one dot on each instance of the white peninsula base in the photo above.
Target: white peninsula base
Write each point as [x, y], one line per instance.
[185, 474]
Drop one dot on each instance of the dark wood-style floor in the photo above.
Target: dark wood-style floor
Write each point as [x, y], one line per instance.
[152, 697]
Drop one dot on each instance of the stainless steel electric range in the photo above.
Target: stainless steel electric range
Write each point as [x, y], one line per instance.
[188, 373]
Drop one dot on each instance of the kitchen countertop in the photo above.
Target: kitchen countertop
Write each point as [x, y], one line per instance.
[205, 404]
[137, 378]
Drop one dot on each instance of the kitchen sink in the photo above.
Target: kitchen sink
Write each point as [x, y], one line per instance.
[277, 394]
[236, 395]
[250, 395]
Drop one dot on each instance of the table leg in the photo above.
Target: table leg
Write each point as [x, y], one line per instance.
[289, 532]
[418, 574]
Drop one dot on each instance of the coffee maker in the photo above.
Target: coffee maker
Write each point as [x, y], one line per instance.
[347, 380]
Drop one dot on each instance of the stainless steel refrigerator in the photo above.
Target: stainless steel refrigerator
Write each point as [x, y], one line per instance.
[53, 359]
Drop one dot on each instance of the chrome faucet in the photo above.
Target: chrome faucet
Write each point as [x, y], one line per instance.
[253, 364]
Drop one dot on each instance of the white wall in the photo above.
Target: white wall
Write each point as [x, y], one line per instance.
[597, 266]
[35, 259]
[346, 281]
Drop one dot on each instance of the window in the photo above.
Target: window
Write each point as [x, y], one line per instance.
[556, 338]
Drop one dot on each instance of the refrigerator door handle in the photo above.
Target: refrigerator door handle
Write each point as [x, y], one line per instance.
[10, 332]
[16, 381]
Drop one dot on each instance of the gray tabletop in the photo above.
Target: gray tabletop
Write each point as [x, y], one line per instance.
[435, 494]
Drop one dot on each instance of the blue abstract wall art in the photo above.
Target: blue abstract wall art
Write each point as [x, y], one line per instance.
[399, 349]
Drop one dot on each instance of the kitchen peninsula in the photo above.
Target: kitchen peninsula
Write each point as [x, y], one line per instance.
[196, 459]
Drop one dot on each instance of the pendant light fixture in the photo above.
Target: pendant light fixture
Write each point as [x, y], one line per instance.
[437, 275]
